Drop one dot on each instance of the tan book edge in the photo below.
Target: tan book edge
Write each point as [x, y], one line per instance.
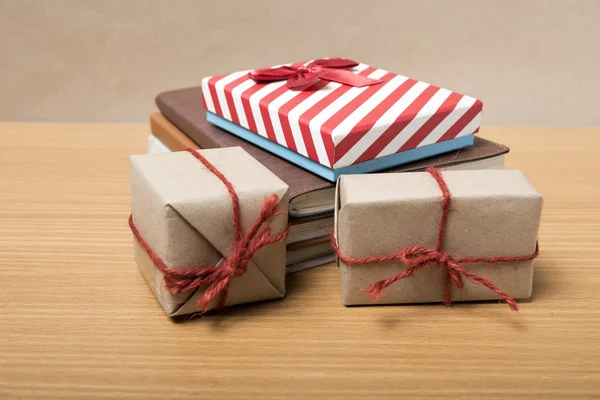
[168, 133]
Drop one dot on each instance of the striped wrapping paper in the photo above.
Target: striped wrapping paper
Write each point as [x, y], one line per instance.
[338, 125]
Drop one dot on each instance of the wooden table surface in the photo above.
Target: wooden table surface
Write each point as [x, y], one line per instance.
[78, 321]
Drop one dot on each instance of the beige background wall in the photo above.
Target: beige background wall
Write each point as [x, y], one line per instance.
[531, 62]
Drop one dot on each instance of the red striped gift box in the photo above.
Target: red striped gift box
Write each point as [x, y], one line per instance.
[339, 125]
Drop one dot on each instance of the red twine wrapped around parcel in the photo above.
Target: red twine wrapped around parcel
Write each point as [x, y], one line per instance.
[330, 69]
[216, 279]
[418, 257]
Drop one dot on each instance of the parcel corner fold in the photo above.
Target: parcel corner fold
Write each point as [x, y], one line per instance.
[184, 212]
[492, 213]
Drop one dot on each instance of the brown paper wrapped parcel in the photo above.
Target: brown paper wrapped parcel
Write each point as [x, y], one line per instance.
[492, 213]
[184, 212]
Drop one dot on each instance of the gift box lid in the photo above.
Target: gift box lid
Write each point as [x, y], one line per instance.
[337, 124]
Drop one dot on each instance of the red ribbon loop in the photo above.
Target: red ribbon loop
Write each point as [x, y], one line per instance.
[330, 69]
[417, 258]
[216, 279]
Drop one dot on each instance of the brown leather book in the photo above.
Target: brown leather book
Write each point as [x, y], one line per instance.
[310, 195]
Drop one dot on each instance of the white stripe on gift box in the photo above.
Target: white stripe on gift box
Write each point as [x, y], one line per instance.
[220, 90]
[254, 105]
[386, 120]
[206, 93]
[471, 126]
[255, 102]
[317, 122]
[236, 93]
[464, 104]
[295, 113]
[341, 131]
[428, 111]
[274, 107]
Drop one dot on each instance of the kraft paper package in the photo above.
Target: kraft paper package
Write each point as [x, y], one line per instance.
[183, 211]
[492, 214]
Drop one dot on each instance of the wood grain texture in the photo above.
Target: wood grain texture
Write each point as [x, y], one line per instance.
[78, 321]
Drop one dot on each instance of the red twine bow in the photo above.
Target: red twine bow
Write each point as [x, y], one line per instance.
[419, 257]
[216, 279]
[331, 69]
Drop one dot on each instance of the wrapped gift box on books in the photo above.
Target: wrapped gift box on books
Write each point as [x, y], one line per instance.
[336, 116]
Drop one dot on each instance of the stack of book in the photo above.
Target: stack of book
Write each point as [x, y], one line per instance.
[182, 123]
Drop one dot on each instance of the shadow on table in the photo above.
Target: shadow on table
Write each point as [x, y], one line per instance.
[547, 272]
[544, 287]
[295, 284]
[545, 278]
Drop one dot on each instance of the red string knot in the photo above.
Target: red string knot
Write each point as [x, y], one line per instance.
[444, 258]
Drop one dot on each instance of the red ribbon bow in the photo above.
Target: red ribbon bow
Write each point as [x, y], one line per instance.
[417, 258]
[331, 69]
[216, 279]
